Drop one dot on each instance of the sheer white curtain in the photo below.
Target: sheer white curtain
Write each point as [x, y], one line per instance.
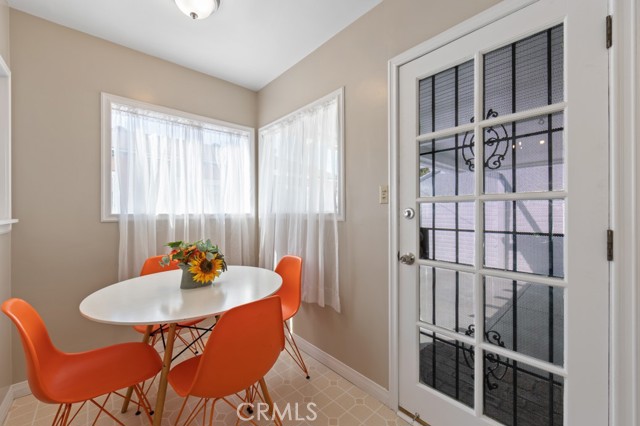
[178, 179]
[299, 197]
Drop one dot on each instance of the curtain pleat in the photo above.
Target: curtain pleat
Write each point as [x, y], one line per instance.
[177, 180]
[298, 200]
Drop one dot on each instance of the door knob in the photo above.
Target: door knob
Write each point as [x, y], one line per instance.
[408, 213]
[407, 258]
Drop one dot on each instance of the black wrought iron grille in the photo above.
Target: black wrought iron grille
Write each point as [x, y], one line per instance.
[443, 366]
[522, 235]
[526, 155]
[523, 156]
[516, 394]
[447, 232]
[446, 298]
[526, 74]
[446, 98]
[524, 317]
[525, 236]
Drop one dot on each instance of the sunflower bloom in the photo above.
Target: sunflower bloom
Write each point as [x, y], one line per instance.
[204, 271]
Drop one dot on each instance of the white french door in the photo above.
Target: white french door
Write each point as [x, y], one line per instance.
[503, 194]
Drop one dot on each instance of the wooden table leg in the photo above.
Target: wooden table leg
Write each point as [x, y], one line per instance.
[267, 397]
[127, 399]
[162, 385]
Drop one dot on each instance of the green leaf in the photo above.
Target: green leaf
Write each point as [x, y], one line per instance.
[210, 256]
[174, 244]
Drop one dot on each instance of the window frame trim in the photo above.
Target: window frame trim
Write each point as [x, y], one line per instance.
[339, 95]
[106, 101]
[6, 215]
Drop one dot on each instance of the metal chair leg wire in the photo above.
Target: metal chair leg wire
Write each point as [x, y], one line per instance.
[257, 391]
[293, 350]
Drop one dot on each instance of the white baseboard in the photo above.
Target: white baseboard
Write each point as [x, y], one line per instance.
[17, 390]
[5, 406]
[21, 389]
[364, 383]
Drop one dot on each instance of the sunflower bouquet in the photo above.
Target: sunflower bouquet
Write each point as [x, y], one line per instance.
[202, 260]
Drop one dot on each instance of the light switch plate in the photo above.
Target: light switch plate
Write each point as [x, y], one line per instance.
[383, 194]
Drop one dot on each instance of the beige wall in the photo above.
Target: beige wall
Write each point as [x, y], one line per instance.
[4, 31]
[61, 250]
[5, 244]
[6, 374]
[357, 59]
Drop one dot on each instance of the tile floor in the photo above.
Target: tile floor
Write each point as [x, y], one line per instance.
[337, 403]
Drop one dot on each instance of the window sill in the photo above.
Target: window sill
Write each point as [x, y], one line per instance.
[5, 225]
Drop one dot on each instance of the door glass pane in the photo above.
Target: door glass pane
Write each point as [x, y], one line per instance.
[447, 232]
[446, 298]
[524, 75]
[446, 166]
[516, 394]
[525, 236]
[525, 317]
[525, 155]
[446, 98]
[447, 366]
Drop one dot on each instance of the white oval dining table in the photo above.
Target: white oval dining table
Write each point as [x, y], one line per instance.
[157, 299]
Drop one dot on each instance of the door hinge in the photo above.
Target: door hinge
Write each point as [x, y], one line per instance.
[609, 245]
[609, 31]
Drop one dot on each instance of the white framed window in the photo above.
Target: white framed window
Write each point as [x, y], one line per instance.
[302, 194]
[161, 161]
[303, 153]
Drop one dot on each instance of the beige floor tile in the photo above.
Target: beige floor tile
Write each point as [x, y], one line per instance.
[376, 420]
[347, 419]
[337, 403]
[361, 412]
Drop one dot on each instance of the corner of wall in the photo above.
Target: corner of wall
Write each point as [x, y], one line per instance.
[6, 367]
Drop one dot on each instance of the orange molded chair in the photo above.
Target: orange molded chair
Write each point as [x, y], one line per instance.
[152, 266]
[62, 378]
[243, 346]
[290, 269]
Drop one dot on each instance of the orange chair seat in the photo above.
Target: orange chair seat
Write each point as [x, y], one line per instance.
[78, 377]
[182, 375]
[289, 308]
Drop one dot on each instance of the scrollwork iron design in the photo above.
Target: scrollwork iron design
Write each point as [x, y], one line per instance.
[496, 144]
[496, 368]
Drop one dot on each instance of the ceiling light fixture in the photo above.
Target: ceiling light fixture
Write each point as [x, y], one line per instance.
[198, 9]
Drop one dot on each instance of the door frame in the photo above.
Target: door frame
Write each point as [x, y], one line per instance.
[624, 101]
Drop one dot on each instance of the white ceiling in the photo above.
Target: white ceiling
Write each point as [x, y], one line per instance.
[247, 42]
